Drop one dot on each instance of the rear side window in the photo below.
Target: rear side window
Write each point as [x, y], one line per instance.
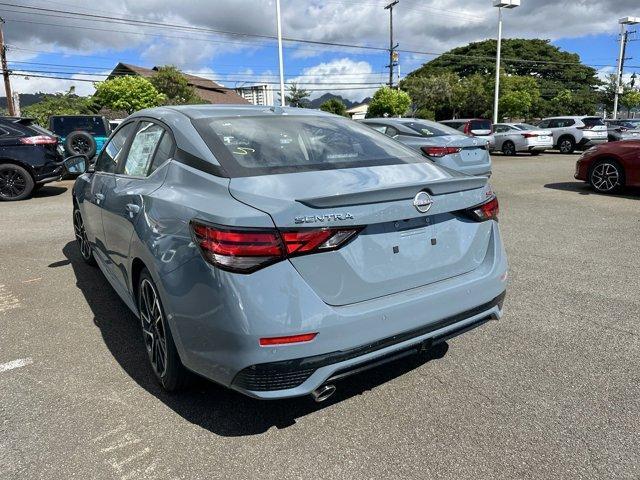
[480, 124]
[431, 129]
[455, 125]
[561, 122]
[142, 148]
[163, 152]
[108, 159]
[262, 145]
[593, 122]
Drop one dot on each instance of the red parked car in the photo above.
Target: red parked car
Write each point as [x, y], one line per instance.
[610, 167]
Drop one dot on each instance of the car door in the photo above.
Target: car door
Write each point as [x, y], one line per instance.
[124, 202]
[101, 178]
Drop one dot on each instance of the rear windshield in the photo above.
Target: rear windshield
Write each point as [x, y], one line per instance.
[431, 129]
[262, 145]
[593, 122]
[63, 126]
[480, 124]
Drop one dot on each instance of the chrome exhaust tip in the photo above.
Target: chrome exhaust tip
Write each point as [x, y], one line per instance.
[322, 393]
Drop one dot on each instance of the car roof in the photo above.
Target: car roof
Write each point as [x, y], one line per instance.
[573, 117]
[462, 119]
[208, 111]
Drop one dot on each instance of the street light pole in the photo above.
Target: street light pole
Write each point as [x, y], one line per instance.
[392, 47]
[496, 95]
[280, 61]
[5, 73]
[624, 36]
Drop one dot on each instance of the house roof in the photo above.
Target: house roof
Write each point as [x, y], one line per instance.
[206, 89]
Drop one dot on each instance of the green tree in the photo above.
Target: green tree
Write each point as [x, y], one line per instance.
[390, 102]
[518, 96]
[128, 93]
[553, 70]
[436, 94]
[174, 86]
[333, 105]
[296, 97]
[630, 100]
[59, 104]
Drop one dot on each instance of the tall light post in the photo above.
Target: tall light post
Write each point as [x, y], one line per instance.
[500, 4]
[280, 61]
[623, 47]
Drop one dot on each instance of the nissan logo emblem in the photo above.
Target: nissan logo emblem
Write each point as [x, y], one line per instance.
[422, 201]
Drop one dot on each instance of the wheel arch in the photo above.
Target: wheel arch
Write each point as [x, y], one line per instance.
[566, 135]
[137, 265]
[26, 166]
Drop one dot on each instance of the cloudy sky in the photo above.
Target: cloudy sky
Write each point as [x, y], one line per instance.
[46, 39]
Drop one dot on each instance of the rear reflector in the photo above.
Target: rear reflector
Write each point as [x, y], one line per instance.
[486, 211]
[439, 151]
[39, 140]
[305, 337]
[245, 250]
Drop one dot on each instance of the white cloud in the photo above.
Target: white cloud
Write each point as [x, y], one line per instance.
[31, 84]
[348, 77]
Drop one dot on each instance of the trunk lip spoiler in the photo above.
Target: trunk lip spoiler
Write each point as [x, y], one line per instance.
[400, 192]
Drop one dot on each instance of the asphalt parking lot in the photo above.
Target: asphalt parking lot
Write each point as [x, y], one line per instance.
[550, 391]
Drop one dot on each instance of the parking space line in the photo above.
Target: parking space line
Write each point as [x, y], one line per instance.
[8, 300]
[21, 362]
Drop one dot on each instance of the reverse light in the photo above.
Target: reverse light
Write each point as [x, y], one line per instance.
[485, 211]
[439, 151]
[245, 250]
[38, 140]
[304, 337]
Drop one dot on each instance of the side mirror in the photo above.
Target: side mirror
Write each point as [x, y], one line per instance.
[76, 164]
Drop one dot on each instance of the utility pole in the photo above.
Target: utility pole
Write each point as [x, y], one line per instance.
[5, 72]
[392, 58]
[624, 37]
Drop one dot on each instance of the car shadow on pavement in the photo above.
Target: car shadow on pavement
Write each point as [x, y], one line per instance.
[215, 408]
[583, 188]
[49, 191]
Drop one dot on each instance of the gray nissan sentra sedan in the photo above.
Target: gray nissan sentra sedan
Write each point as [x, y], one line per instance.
[276, 251]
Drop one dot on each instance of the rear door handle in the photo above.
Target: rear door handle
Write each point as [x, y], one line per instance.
[99, 197]
[133, 209]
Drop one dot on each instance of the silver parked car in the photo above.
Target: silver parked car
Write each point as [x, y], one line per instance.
[512, 138]
[623, 129]
[575, 133]
[474, 127]
[275, 251]
[441, 144]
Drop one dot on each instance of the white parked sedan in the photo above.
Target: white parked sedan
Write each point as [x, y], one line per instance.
[512, 138]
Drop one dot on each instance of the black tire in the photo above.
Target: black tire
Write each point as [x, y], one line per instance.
[156, 335]
[607, 176]
[566, 144]
[509, 148]
[80, 143]
[15, 182]
[86, 252]
[535, 154]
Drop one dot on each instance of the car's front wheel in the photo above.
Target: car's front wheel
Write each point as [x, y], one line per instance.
[15, 182]
[86, 252]
[158, 341]
[607, 176]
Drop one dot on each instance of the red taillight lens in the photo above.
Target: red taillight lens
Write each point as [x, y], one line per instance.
[39, 140]
[529, 135]
[486, 211]
[439, 151]
[304, 337]
[247, 250]
[467, 128]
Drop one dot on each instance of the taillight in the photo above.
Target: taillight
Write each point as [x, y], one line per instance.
[246, 250]
[439, 151]
[467, 128]
[38, 140]
[485, 211]
[529, 135]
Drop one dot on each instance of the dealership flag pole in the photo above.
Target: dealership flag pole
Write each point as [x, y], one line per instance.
[282, 99]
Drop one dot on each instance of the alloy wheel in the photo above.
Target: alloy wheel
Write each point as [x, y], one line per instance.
[12, 183]
[81, 235]
[153, 327]
[605, 177]
[80, 146]
[508, 148]
[565, 146]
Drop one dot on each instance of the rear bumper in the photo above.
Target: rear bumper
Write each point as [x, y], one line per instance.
[271, 380]
[590, 142]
